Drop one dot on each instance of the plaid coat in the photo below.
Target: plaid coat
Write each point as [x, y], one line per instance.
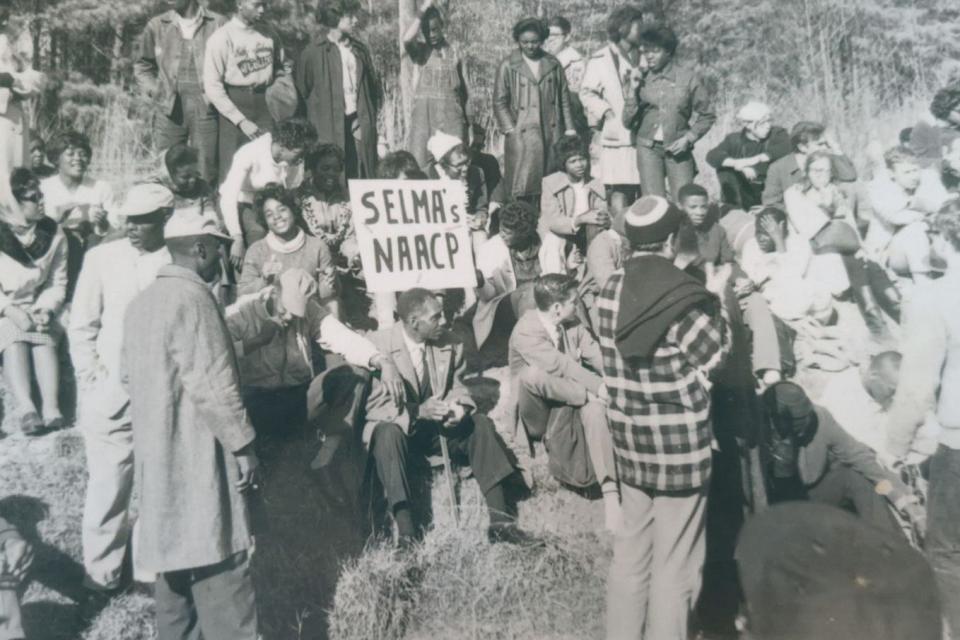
[659, 411]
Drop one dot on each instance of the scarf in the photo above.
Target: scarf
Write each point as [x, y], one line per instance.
[653, 295]
[27, 244]
[278, 245]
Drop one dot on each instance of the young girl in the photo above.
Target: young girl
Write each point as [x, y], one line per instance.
[286, 246]
[33, 286]
[325, 205]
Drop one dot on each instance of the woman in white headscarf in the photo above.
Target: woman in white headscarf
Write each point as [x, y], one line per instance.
[33, 287]
[18, 82]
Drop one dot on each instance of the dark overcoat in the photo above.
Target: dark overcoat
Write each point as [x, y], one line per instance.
[536, 112]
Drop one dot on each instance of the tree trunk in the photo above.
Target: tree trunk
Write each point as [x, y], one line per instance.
[116, 55]
[407, 13]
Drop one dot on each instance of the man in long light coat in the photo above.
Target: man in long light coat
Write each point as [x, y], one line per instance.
[193, 444]
[113, 274]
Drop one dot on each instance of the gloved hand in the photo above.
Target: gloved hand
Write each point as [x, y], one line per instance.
[6, 80]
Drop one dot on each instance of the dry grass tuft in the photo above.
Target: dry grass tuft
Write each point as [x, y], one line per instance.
[456, 584]
[130, 617]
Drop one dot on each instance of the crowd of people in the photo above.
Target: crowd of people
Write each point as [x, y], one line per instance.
[658, 340]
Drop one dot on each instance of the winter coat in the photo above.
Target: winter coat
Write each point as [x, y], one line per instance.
[534, 113]
[319, 79]
[180, 370]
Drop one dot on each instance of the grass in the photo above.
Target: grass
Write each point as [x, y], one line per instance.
[316, 574]
[313, 568]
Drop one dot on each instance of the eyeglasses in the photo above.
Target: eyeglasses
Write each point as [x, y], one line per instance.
[463, 164]
[35, 197]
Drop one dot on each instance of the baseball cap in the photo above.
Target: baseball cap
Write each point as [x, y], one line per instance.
[146, 198]
[186, 225]
[296, 288]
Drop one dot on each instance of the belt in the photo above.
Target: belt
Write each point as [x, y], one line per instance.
[262, 88]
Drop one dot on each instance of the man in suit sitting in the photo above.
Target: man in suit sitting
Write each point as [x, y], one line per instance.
[436, 405]
[554, 361]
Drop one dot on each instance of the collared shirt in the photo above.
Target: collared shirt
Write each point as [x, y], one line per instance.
[252, 169]
[659, 410]
[671, 103]
[348, 59]
[113, 275]
[416, 351]
[552, 330]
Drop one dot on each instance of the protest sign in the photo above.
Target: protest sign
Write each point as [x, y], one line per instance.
[412, 233]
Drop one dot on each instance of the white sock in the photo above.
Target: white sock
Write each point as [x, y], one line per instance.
[613, 514]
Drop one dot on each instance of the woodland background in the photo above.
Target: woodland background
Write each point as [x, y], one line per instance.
[866, 67]
[856, 64]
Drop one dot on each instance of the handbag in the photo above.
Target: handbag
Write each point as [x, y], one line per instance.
[836, 236]
[282, 98]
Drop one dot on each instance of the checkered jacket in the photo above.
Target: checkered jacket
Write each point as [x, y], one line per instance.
[659, 412]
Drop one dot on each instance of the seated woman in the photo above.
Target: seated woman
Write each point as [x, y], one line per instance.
[33, 287]
[820, 212]
[451, 161]
[286, 246]
[743, 157]
[38, 158]
[508, 264]
[573, 206]
[273, 158]
[325, 205]
[76, 201]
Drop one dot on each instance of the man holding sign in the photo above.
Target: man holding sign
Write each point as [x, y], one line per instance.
[413, 233]
[436, 405]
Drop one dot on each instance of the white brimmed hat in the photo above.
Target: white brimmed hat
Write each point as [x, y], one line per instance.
[187, 225]
[440, 144]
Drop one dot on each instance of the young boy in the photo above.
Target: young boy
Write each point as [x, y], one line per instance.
[702, 239]
[702, 243]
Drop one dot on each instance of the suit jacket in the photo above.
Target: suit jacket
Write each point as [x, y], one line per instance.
[446, 364]
[531, 346]
[832, 445]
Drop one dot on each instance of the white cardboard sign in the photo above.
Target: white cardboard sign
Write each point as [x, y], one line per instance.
[412, 233]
